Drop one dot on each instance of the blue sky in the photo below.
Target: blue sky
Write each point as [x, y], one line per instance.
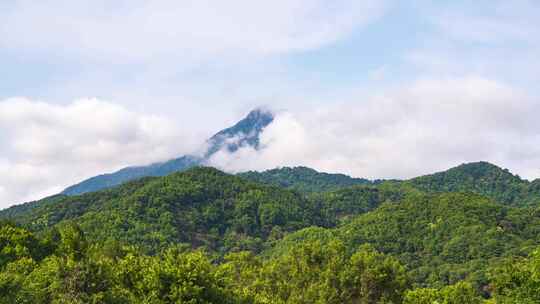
[459, 77]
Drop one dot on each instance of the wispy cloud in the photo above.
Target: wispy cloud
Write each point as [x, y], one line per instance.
[492, 22]
[148, 30]
[494, 39]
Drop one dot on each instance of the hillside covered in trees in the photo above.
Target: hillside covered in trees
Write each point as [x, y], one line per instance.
[291, 235]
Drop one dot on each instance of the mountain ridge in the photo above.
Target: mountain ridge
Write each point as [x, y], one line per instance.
[244, 133]
[529, 192]
[313, 183]
[304, 179]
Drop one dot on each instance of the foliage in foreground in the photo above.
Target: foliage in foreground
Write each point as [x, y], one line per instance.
[63, 267]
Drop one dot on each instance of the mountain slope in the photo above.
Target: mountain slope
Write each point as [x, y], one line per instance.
[442, 238]
[446, 237]
[200, 206]
[245, 133]
[130, 173]
[313, 265]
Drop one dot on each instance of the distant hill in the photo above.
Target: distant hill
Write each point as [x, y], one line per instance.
[478, 177]
[482, 178]
[244, 133]
[304, 179]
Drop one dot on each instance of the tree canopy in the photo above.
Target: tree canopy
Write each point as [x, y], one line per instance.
[204, 236]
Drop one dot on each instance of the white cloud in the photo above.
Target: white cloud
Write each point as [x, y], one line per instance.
[47, 147]
[416, 129]
[420, 127]
[144, 30]
[210, 59]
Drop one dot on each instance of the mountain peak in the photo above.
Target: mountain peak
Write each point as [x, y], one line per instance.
[482, 169]
[474, 170]
[256, 120]
[478, 177]
[260, 114]
[244, 133]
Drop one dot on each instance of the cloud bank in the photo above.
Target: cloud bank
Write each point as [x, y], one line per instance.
[414, 129]
[46, 147]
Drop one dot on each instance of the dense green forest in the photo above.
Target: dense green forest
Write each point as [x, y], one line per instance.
[479, 177]
[291, 235]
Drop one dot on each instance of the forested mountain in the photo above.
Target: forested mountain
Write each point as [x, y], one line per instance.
[482, 178]
[244, 133]
[304, 179]
[448, 237]
[201, 207]
[441, 238]
[290, 235]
